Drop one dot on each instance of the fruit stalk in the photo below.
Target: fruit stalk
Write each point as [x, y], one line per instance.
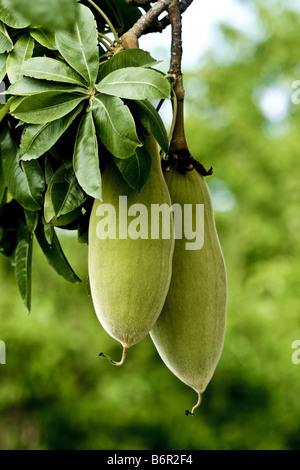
[115, 363]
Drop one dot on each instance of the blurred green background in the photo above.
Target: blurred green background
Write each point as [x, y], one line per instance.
[56, 393]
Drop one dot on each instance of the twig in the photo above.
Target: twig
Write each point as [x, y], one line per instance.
[140, 3]
[145, 21]
[159, 26]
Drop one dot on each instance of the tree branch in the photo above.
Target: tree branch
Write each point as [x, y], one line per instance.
[159, 26]
[140, 3]
[146, 20]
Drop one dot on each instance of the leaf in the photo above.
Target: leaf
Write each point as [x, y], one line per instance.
[115, 126]
[35, 180]
[46, 107]
[126, 58]
[135, 83]
[135, 169]
[63, 194]
[45, 38]
[39, 138]
[48, 170]
[86, 159]
[25, 182]
[4, 109]
[30, 86]
[66, 221]
[54, 253]
[10, 17]
[3, 58]
[6, 44]
[22, 51]
[31, 218]
[52, 14]
[14, 102]
[80, 48]
[23, 264]
[46, 68]
[151, 120]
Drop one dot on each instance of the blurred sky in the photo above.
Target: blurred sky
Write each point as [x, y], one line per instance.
[200, 34]
[199, 28]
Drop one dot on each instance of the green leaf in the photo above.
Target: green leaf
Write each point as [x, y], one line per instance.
[39, 138]
[35, 180]
[26, 181]
[23, 264]
[45, 38]
[30, 86]
[80, 48]
[22, 51]
[151, 120]
[14, 102]
[63, 194]
[46, 68]
[3, 58]
[10, 17]
[135, 169]
[65, 221]
[135, 83]
[51, 14]
[46, 107]
[86, 158]
[115, 126]
[6, 44]
[54, 253]
[126, 58]
[4, 109]
[31, 218]
[48, 170]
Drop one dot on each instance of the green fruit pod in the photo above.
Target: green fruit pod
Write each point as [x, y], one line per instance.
[189, 333]
[130, 274]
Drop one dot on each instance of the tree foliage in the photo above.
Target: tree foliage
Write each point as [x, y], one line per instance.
[74, 99]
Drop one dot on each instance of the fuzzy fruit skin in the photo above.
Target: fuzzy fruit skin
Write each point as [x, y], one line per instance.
[129, 279]
[189, 333]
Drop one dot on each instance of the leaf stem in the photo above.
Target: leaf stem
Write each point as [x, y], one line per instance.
[106, 38]
[104, 55]
[107, 46]
[106, 19]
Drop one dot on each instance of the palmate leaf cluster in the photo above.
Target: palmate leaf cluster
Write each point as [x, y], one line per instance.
[69, 107]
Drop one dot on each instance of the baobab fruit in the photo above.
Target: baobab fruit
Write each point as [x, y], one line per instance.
[130, 271]
[189, 333]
